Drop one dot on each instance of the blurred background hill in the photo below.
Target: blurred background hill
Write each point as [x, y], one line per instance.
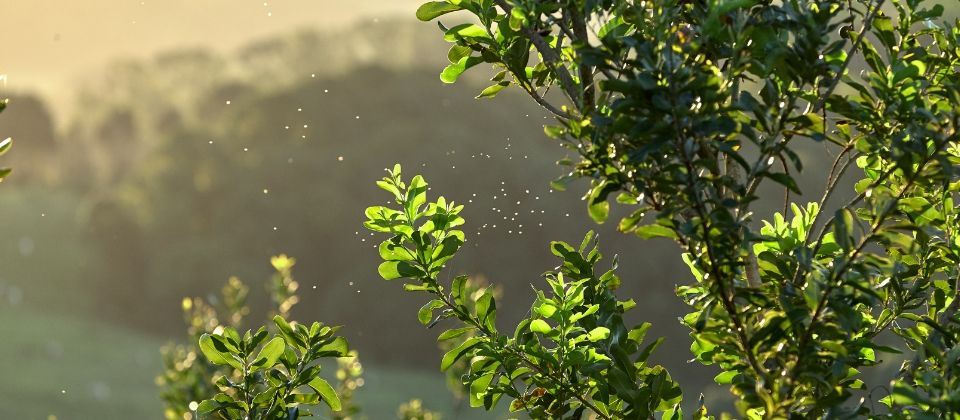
[159, 176]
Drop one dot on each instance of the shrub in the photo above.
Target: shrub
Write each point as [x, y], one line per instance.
[574, 352]
[682, 110]
[255, 375]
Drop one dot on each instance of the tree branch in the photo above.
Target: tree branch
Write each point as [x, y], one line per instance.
[867, 21]
[586, 73]
[550, 58]
[543, 102]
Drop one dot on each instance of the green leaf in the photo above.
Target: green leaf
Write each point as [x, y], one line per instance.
[216, 352]
[456, 353]
[555, 132]
[288, 333]
[597, 204]
[540, 326]
[445, 250]
[393, 250]
[493, 90]
[653, 231]
[457, 52]
[487, 310]
[392, 270]
[546, 309]
[451, 73]
[269, 354]
[425, 315]
[433, 9]
[884, 30]
[466, 31]
[454, 333]
[599, 210]
[725, 378]
[336, 348]
[843, 228]
[5, 145]
[457, 290]
[209, 406]
[325, 391]
[416, 194]
[599, 333]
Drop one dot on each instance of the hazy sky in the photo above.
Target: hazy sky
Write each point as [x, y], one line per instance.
[44, 43]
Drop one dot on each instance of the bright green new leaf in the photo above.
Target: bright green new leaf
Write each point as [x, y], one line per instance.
[431, 10]
[326, 392]
[269, 354]
[425, 315]
[456, 353]
[452, 72]
[217, 353]
[599, 333]
[392, 270]
[540, 326]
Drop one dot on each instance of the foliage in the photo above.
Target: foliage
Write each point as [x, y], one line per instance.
[254, 375]
[259, 374]
[683, 109]
[413, 410]
[572, 353]
[264, 377]
[349, 380]
[474, 288]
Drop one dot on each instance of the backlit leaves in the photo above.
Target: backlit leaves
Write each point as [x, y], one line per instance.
[586, 331]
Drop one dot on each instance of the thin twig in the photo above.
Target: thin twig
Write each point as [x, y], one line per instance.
[867, 22]
[543, 102]
[550, 58]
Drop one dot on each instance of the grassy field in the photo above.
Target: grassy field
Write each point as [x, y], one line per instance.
[58, 358]
[74, 368]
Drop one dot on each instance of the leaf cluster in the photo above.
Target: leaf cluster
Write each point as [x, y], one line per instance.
[257, 374]
[572, 355]
[682, 109]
